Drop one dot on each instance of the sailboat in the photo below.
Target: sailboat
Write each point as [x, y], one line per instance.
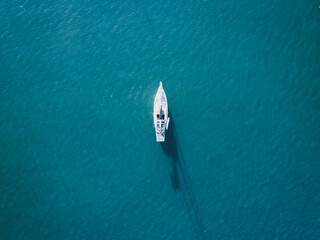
[160, 114]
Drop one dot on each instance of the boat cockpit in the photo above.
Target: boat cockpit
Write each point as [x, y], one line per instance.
[161, 115]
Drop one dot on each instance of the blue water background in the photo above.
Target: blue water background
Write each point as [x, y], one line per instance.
[78, 157]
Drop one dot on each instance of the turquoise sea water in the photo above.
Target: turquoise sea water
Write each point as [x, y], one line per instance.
[78, 157]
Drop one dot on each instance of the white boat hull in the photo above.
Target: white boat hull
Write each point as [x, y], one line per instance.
[160, 114]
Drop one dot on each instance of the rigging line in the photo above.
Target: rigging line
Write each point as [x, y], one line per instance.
[189, 188]
[189, 210]
[193, 221]
[193, 205]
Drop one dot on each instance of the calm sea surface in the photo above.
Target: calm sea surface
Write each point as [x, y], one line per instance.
[78, 156]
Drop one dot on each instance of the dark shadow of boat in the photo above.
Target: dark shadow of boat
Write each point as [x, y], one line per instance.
[172, 149]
